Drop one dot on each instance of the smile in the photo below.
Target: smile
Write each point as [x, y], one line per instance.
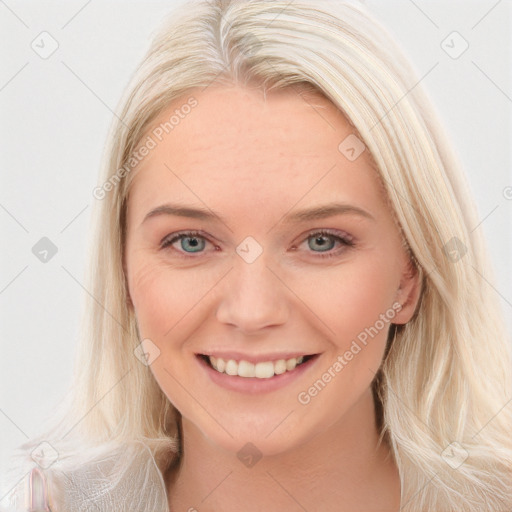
[261, 370]
[263, 374]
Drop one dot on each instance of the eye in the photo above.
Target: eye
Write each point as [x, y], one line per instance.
[325, 240]
[319, 241]
[191, 241]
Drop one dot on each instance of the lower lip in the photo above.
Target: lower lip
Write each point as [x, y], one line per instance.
[253, 385]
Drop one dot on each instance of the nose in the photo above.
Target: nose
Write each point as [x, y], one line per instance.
[253, 296]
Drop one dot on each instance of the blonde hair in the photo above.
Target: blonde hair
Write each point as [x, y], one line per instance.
[446, 379]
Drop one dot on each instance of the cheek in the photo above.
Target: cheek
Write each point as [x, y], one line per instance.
[167, 300]
[354, 303]
[159, 297]
[354, 294]
[162, 299]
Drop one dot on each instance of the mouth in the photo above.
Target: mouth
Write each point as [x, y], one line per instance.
[260, 370]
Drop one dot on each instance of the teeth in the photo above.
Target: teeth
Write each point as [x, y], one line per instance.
[263, 370]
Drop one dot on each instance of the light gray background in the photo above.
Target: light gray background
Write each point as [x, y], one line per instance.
[54, 117]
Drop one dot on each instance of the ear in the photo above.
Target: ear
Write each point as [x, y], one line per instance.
[409, 292]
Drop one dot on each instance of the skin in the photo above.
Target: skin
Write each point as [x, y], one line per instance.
[253, 160]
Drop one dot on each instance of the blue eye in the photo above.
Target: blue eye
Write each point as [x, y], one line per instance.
[318, 239]
[193, 242]
[189, 240]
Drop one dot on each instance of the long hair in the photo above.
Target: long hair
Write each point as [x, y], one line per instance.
[446, 379]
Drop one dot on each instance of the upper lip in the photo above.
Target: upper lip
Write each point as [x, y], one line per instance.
[254, 358]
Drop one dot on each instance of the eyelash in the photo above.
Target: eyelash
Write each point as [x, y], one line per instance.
[346, 241]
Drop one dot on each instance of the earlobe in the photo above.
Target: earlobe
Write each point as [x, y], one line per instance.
[408, 293]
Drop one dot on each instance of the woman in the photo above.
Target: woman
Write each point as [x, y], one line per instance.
[328, 353]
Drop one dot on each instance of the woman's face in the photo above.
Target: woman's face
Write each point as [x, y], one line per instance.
[293, 254]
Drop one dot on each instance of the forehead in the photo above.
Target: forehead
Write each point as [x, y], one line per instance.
[259, 147]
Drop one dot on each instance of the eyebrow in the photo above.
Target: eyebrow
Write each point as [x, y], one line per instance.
[309, 214]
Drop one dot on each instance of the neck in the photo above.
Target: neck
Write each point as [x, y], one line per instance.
[341, 469]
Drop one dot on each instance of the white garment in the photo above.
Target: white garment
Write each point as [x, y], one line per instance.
[124, 479]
